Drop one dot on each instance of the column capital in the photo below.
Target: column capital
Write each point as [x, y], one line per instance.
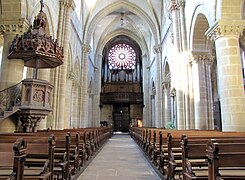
[144, 56]
[100, 56]
[173, 5]
[71, 4]
[182, 3]
[157, 48]
[86, 48]
[17, 27]
[71, 75]
[68, 3]
[225, 28]
[205, 57]
[166, 85]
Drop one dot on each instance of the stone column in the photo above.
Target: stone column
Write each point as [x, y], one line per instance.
[96, 107]
[70, 78]
[190, 124]
[183, 25]
[230, 80]
[184, 66]
[138, 71]
[174, 9]
[153, 110]
[11, 70]
[210, 98]
[146, 98]
[202, 94]
[57, 70]
[105, 72]
[60, 103]
[84, 89]
[158, 97]
[166, 103]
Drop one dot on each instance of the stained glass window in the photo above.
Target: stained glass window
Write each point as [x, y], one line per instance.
[122, 56]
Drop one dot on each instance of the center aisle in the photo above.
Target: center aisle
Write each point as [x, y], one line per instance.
[120, 159]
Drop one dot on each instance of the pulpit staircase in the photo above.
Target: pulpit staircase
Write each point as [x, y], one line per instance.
[10, 100]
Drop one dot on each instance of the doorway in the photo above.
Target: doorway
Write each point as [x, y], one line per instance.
[121, 118]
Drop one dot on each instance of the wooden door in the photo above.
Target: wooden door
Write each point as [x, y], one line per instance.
[121, 119]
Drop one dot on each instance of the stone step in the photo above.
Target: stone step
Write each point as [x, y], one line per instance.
[9, 113]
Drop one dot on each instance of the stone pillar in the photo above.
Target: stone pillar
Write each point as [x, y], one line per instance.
[146, 98]
[184, 66]
[166, 103]
[84, 89]
[44, 74]
[158, 97]
[60, 103]
[174, 9]
[201, 87]
[210, 98]
[183, 25]
[190, 124]
[70, 77]
[109, 75]
[11, 70]
[105, 72]
[153, 110]
[57, 70]
[230, 80]
[96, 104]
[138, 71]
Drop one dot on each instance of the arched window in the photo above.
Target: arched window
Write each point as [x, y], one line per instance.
[122, 56]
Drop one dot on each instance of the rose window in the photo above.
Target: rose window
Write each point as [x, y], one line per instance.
[122, 56]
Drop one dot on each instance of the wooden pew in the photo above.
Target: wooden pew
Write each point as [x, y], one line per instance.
[39, 155]
[175, 160]
[194, 159]
[12, 160]
[63, 158]
[174, 152]
[62, 168]
[75, 161]
[226, 160]
[39, 162]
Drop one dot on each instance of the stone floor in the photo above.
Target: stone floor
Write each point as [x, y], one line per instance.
[120, 159]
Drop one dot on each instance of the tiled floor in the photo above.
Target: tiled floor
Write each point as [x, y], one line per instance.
[120, 159]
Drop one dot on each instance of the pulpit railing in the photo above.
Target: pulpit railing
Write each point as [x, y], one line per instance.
[10, 97]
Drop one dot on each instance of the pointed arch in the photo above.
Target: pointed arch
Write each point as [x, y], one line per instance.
[201, 17]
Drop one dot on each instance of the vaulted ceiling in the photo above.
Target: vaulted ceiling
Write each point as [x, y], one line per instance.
[138, 19]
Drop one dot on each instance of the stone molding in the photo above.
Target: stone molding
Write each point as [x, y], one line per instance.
[17, 27]
[225, 28]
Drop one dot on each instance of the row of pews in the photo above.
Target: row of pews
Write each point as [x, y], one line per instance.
[49, 154]
[193, 154]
